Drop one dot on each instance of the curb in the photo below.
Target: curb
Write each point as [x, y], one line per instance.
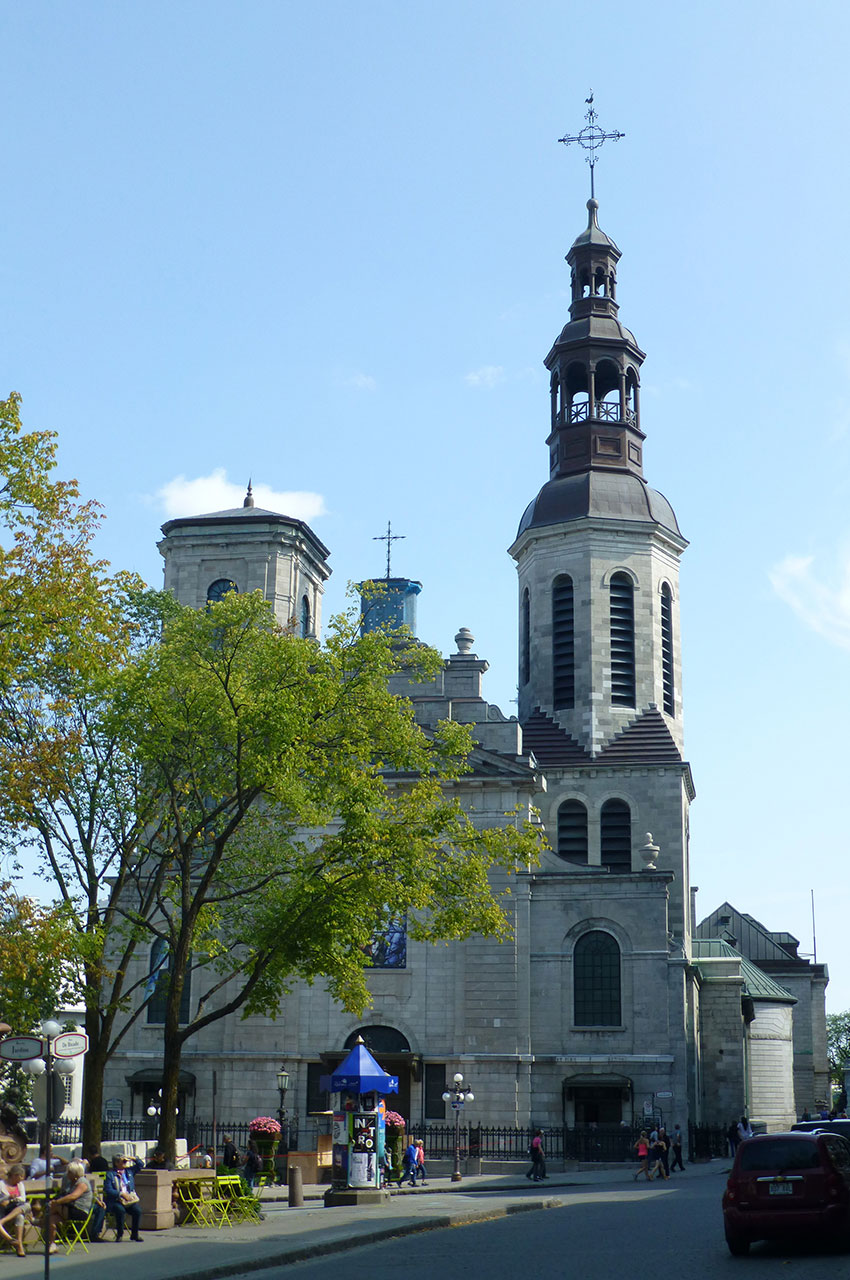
[301, 1253]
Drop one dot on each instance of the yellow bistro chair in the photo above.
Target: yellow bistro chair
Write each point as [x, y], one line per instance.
[73, 1232]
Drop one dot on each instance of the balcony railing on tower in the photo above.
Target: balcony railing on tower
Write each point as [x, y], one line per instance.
[603, 411]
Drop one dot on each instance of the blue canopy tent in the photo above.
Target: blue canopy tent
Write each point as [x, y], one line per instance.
[359, 1073]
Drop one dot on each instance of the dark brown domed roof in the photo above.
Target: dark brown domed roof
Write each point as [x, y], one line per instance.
[611, 495]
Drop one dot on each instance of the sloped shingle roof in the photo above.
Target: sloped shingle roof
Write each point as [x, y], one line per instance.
[551, 745]
[647, 740]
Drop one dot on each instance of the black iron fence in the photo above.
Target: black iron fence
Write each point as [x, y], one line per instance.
[707, 1141]
[198, 1133]
[600, 1144]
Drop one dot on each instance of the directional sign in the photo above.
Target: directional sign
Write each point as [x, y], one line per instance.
[70, 1044]
[21, 1048]
[664, 1093]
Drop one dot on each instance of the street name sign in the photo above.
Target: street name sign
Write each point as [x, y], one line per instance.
[20, 1048]
[70, 1044]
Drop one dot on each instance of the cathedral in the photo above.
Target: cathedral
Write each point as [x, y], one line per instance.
[610, 1003]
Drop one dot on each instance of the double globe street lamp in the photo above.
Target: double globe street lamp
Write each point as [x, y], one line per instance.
[458, 1095]
[55, 1069]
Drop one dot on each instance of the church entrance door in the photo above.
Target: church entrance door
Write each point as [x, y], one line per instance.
[599, 1105]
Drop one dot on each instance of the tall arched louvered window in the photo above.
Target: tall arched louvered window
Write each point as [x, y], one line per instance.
[563, 644]
[572, 832]
[622, 640]
[596, 980]
[667, 686]
[616, 835]
[525, 639]
[306, 624]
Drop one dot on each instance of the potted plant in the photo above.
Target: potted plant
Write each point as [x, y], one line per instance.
[265, 1131]
[395, 1143]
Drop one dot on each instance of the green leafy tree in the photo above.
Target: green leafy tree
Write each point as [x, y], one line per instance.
[252, 803]
[296, 799]
[838, 1045]
[61, 613]
[38, 973]
[64, 622]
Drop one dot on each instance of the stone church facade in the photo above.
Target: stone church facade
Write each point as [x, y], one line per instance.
[602, 1007]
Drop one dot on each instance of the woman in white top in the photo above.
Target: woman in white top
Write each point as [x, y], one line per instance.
[13, 1206]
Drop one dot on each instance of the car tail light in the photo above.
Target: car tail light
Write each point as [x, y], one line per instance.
[835, 1186]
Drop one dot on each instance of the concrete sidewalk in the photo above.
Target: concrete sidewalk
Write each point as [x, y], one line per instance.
[291, 1235]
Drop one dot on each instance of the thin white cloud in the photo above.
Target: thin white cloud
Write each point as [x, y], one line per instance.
[824, 607]
[358, 381]
[489, 375]
[198, 496]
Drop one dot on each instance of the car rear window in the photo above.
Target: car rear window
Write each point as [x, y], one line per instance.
[779, 1154]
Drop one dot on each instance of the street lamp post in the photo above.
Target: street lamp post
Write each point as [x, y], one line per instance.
[282, 1086]
[51, 1066]
[458, 1095]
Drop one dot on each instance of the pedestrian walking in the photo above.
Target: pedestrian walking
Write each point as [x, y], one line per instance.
[252, 1166]
[408, 1168]
[664, 1144]
[676, 1145]
[641, 1147]
[420, 1161]
[732, 1139]
[537, 1172]
[230, 1156]
[657, 1152]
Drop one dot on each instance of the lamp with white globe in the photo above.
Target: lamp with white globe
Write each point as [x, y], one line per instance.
[458, 1095]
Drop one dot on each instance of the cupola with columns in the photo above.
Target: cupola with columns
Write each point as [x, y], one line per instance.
[594, 367]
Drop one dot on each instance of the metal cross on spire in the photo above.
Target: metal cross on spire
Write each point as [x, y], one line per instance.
[389, 538]
[591, 138]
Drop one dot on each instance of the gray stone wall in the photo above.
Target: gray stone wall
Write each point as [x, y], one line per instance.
[723, 1076]
[658, 799]
[258, 555]
[591, 551]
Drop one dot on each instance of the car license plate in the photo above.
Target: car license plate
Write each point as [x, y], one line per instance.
[781, 1189]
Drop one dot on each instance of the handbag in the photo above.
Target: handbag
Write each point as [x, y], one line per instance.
[129, 1197]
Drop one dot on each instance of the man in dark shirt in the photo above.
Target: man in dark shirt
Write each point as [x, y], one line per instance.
[158, 1160]
[230, 1158]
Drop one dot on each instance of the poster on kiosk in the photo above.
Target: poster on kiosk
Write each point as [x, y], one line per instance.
[358, 1124]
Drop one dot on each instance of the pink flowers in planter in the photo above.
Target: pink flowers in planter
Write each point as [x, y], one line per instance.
[393, 1118]
[264, 1127]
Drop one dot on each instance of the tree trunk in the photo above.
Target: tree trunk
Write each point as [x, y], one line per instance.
[172, 1048]
[94, 1066]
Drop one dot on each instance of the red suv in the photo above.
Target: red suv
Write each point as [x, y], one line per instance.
[787, 1182]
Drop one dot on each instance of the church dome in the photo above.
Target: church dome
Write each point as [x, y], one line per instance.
[607, 495]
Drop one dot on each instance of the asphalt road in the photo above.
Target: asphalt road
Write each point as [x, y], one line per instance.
[640, 1232]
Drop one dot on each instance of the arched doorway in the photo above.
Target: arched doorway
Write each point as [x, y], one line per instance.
[391, 1050]
[597, 1100]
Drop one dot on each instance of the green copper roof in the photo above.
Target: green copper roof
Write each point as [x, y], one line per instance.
[756, 983]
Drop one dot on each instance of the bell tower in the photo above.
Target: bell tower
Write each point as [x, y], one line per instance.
[597, 553]
[248, 548]
[594, 368]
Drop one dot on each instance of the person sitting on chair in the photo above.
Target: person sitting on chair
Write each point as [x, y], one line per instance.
[13, 1206]
[73, 1202]
[120, 1197]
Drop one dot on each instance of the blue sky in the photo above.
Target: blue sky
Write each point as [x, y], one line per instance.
[323, 246]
